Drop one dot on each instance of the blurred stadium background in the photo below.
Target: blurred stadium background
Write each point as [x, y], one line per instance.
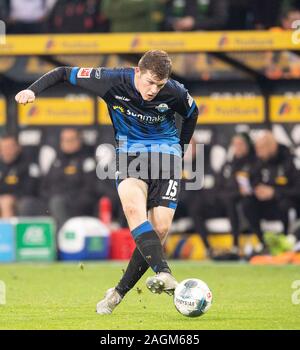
[239, 59]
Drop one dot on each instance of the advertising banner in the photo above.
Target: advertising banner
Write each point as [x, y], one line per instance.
[57, 111]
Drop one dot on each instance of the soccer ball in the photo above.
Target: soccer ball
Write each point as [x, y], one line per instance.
[192, 297]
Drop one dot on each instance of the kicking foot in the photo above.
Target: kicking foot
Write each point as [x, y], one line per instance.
[111, 299]
[162, 282]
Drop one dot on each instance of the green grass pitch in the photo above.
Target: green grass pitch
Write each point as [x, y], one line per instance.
[64, 295]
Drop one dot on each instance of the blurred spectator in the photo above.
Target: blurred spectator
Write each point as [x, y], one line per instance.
[240, 15]
[192, 15]
[4, 10]
[275, 184]
[77, 16]
[27, 17]
[284, 64]
[132, 15]
[18, 179]
[68, 187]
[188, 15]
[289, 11]
[288, 16]
[266, 13]
[222, 199]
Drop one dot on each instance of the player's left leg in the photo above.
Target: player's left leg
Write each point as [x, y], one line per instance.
[161, 218]
[162, 198]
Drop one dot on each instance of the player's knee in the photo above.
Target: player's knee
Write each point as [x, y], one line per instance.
[131, 211]
[162, 230]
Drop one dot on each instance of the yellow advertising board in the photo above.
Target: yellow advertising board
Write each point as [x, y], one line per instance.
[61, 44]
[2, 112]
[57, 111]
[284, 109]
[223, 110]
[215, 110]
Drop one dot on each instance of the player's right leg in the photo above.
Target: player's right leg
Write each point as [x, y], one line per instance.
[133, 195]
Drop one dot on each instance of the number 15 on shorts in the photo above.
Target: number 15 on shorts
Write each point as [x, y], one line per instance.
[172, 188]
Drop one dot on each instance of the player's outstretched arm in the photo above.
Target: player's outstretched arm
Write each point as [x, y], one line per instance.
[97, 81]
[49, 79]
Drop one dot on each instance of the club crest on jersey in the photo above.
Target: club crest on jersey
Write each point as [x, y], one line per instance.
[84, 73]
[162, 108]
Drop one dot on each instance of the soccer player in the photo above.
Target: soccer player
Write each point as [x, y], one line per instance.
[142, 102]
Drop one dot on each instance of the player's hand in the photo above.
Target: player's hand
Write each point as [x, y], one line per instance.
[25, 96]
[244, 191]
[264, 192]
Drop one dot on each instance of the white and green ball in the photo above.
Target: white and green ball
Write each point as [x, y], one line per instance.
[192, 297]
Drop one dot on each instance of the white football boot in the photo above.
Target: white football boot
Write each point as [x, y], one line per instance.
[111, 299]
[162, 282]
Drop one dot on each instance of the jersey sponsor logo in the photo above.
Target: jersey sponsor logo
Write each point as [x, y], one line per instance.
[147, 119]
[122, 98]
[84, 73]
[190, 99]
[162, 108]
